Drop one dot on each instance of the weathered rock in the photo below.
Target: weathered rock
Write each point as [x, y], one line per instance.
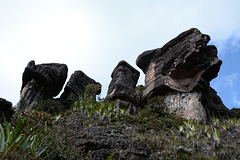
[213, 104]
[187, 105]
[41, 81]
[186, 64]
[99, 142]
[51, 76]
[76, 85]
[6, 109]
[183, 64]
[124, 80]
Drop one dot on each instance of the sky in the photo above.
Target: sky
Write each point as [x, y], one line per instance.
[94, 35]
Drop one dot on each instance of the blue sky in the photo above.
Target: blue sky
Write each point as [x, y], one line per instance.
[94, 35]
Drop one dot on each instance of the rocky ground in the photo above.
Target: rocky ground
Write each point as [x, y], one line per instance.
[93, 130]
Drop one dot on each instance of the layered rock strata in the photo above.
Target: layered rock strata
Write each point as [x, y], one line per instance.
[41, 82]
[123, 83]
[122, 87]
[186, 64]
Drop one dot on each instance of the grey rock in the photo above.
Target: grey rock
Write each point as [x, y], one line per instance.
[6, 109]
[187, 105]
[40, 82]
[99, 142]
[124, 80]
[76, 86]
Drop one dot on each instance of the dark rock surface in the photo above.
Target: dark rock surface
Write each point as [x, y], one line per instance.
[99, 142]
[6, 109]
[76, 85]
[185, 64]
[124, 80]
[235, 112]
[213, 104]
[41, 81]
[51, 76]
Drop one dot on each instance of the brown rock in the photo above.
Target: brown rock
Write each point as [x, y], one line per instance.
[181, 71]
[183, 64]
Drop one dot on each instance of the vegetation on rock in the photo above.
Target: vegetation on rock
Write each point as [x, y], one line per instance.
[41, 135]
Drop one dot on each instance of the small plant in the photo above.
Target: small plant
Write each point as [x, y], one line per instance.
[20, 139]
[111, 155]
[216, 136]
[158, 105]
[138, 93]
[215, 121]
[50, 106]
[91, 90]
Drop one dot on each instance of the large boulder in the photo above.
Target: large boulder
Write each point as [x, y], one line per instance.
[186, 64]
[76, 86]
[6, 109]
[40, 82]
[124, 80]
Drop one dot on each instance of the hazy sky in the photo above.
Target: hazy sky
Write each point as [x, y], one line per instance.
[94, 35]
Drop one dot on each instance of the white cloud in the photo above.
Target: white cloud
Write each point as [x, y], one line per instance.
[236, 100]
[225, 82]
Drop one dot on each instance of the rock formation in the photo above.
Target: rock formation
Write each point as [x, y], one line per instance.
[187, 105]
[6, 109]
[124, 80]
[41, 82]
[186, 64]
[76, 85]
[99, 141]
[121, 88]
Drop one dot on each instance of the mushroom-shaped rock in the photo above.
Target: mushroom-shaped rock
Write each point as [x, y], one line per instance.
[76, 86]
[124, 80]
[41, 82]
[185, 64]
[6, 109]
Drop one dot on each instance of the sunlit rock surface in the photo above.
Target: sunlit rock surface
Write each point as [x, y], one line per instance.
[185, 64]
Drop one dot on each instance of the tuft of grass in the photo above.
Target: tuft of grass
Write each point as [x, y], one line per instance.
[20, 139]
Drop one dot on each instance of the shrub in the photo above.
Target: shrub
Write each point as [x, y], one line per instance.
[50, 106]
[158, 105]
[21, 141]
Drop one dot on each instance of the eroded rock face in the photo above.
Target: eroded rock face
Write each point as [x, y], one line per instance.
[187, 105]
[186, 64]
[6, 109]
[99, 142]
[183, 64]
[50, 75]
[124, 80]
[76, 85]
[41, 81]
